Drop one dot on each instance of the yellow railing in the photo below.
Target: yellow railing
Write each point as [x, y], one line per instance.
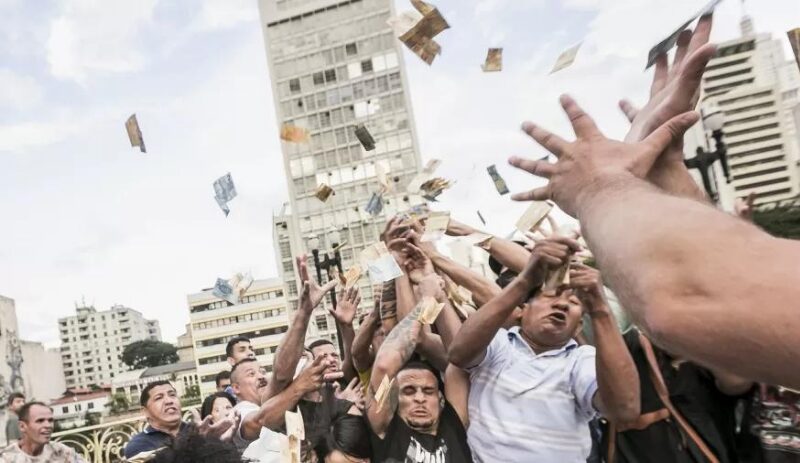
[104, 443]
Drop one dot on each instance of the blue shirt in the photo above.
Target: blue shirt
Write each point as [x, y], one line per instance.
[151, 439]
[528, 407]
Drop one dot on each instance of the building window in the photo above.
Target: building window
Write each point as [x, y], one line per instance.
[90, 405]
[330, 75]
[294, 85]
[322, 322]
[319, 79]
[366, 65]
[64, 409]
[351, 49]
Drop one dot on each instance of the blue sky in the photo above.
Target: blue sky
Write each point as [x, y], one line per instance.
[84, 215]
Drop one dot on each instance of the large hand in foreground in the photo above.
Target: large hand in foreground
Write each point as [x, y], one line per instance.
[592, 159]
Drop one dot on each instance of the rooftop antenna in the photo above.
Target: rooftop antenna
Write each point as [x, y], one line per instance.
[746, 23]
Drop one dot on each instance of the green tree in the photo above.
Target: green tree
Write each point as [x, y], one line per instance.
[119, 403]
[782, 220]
[192, 396]
[149, 353]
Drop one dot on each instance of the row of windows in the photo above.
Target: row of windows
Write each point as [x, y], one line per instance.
[759, 128]
[354, 70]
[732, 85]
[265, 296]
[739, 99]
[759, 173]
[755, 140]
[221, 358]
[91, 319]
[778, 158]
[762, 183]
[249, 335]
[728, 75]
[232, 320]
[78, 407]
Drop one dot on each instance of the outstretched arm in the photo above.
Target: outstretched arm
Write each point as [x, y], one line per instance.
[344, 314]
[482, 288]
[456, 389]
[293, 343]
[507, 252]
[362, 358]
[469, 346]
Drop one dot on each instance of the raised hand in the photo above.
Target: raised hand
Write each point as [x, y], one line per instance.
[417, 264]
[432, 285]
[354, 393]
[456, 228]
[395, 228]
[312, 293]
[548, 254]
[348, 302]
[592, 158]
[588, 287]
[744, 207]
[221, 430]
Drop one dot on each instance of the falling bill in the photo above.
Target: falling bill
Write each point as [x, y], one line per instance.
[375, 204]
[224, 188]
[294, 134]
[494, 60]
[135, 133]
[435, 226]
[499, 183]
[417, 30]
[223, 290]
[566, 58]
[666, 45]
[534, 215]
[366, 139]
[323, 192]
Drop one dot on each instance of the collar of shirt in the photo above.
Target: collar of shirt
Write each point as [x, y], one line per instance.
[150, 430]
[519, 342]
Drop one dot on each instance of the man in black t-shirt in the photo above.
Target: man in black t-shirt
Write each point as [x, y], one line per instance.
[415, 423]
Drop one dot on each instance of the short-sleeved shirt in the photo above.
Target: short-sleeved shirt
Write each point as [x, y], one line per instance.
[53, 452]
[401, 444]
[265, 449]
[12, 427]
[525, 406]
[694, 393]
[151, 439]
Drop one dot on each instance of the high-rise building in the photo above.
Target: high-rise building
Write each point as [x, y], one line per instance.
[92, 342]
[335, 64]
[261, 316]
[756, 88]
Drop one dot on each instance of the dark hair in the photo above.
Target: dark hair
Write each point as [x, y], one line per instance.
[146, 391]
[233, 342]
[505, 278]
[15, 395]
[317, 343]
[415, 364]
[349, 435]
[240, 362]
[208, 404]
[194, 448]
[224, 374]
[496, 265]
[25, 410]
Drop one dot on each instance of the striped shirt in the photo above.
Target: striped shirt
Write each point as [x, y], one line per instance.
[528, 407]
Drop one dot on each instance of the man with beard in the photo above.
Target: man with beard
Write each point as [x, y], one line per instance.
[533, 389]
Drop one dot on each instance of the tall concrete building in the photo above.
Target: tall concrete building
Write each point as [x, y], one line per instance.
[334, 64]
[756, 87]
[261, 316]
[92, 342]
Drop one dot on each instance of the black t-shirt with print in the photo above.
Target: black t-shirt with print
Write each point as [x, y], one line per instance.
[405, 445]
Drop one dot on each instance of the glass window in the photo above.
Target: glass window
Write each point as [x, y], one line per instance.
[330, 75]
[333, 97]
[366, 65]
[379, 63]
[354, 70]
[319, 78]
[325, 119]
[294, 85]
[310, 104]
[351, 49]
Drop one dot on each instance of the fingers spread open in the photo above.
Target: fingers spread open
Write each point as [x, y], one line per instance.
[537, 194]
[702, 33]
[692, 73]
[682, 48]
[661, 74]
[662, 137]
[582, 124]
[539, 168]
[628, 109]
[550, 141]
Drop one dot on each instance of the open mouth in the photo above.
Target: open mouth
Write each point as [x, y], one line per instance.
[262, 383]
[171, 409]
[558, 317]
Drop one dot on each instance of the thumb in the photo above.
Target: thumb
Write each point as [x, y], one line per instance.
[669, 132]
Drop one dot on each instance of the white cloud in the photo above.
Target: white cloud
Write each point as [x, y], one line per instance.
[18, 91]
[223, 14]
[98, 36]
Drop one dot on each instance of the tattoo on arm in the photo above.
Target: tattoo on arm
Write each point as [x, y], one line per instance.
[403, 338]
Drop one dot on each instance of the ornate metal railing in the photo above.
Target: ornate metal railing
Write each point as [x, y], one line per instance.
[104, 443]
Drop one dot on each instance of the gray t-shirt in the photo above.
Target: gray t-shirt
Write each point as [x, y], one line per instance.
[12, 428]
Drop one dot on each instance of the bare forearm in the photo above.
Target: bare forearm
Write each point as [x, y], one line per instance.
[388, 310]
[673, 177]
[617, 378]
[697, 280]
[431, 347]
[482, 288]
[405, 296]
[361, 344]
[290, 351]
[348, 334]
[447, 324]
[509, 253]
[477, 332]
[272, 413]
[397, 348]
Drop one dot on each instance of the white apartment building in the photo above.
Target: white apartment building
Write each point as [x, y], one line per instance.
[92, 342]
[756, 88]
[261, 316]
[73, 407]
[334, 64]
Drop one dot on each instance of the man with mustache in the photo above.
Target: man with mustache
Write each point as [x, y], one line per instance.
[533, 389]
[36, 427]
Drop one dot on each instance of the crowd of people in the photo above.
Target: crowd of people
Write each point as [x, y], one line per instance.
[534, 365]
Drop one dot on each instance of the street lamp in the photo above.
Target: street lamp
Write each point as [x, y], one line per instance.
[329, 262]
[713, 121]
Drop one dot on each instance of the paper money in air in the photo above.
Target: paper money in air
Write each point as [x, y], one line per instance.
[415, 185]
[323, 192]
[375, 204]
[241, 282]
[224, 188]
[135, 133]
[557, 278]
[294, 425]
[499, 183]
[435, 226]
[366, 139]
[566, 58]
[224, 290]
[534, 216]
[480, 216]
[494, 60]
[380, 263]
[417, 29]
[223, 205]
[351, 276]
[431, 308]
[434, 187]
[666, 45]
[794, 40]
[294, 134]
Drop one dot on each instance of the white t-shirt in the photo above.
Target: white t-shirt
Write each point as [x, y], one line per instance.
[265, 449]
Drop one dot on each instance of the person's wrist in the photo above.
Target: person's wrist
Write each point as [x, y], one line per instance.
[603, 187]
